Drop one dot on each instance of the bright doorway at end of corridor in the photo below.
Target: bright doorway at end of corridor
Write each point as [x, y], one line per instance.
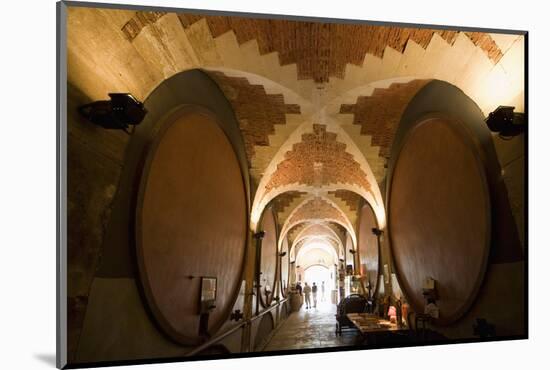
[320, 275]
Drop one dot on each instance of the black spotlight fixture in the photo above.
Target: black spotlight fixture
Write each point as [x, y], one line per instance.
[376, 231]
[352, 251]
[259, 235]
[505, 122]
[122, 111]
[282, 254]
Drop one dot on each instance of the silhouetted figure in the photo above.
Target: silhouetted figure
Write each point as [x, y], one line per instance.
[322, 291]
[307, 295]
[299, 288]
[314, 292]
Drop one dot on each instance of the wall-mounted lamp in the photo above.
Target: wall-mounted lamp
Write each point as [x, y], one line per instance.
[352, 251]
[122, 111]
[259, 234]
[282, 254]
[376, 231]
[504, 121]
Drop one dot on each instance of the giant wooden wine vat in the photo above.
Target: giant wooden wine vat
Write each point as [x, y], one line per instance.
[191, 222]
[439, 214]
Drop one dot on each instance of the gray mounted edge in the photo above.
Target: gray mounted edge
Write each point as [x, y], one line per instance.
[291, 17]
[61, 186]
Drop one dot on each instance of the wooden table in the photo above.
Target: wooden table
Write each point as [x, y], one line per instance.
[371, 326]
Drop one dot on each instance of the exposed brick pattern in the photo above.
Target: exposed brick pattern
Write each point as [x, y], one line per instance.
[317, 208]
[293, 233]
[349, 197]
[282, 201]
[133, 27]
[322, 50]
[317, 230]
[256, 111]
[487, 44]
[316, 160]
[379, 114]
[339, 230]
[303, 242]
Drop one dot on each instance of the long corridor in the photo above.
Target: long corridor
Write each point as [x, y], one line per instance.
[271, 155]
[311, 328]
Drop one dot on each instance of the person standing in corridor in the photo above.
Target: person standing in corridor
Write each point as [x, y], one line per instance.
[299, 288]
[322, 291]
[307, 294]
[314, 292]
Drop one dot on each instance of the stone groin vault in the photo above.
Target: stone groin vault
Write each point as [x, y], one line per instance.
[312, 133]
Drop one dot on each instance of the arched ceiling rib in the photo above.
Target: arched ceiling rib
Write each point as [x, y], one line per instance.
[319, 209]
[317, 158]
[285, 203]
[316, 252]
[333, 241]
[347, 201]
[318, 229]
[378, 115]
[336, 249]
[314, 231]
[298, 244]
[336, 228]
[259, 114]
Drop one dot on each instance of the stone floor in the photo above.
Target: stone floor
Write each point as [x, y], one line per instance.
[311, 328]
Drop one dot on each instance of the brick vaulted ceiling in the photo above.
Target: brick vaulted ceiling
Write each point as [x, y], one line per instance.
[350, 198]
[379, 114]
[257, 112]
[317, 229]
[320, 50]
[317, 208]
[317, 103]
[283, 204]
[317, 160]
